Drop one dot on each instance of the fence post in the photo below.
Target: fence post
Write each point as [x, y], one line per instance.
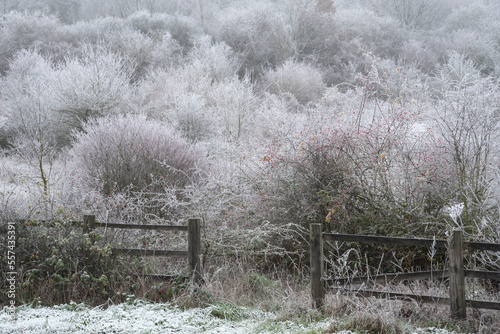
[194, 250]
[316, 245]
[88, 223]
[457, 277]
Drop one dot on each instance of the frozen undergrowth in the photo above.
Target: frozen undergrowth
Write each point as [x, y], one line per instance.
[141, 318]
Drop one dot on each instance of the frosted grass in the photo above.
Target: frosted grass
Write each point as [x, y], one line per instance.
[141, 318]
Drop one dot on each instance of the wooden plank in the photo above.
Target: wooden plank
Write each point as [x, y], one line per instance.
[484, 304]
[111, 225]
[49, 223]
[457, 277]
[390, 278]
[370, 239]
[164, 277]
[148, 252]
[398, 295]
[485, 246]
[317, 266]
[194, 250]
[144, 226]
[481, 274]
[398, 277]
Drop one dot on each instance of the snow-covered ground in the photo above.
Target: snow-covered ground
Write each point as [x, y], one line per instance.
[140, 317]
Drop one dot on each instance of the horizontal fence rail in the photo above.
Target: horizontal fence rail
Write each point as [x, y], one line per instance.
[422, 298]
[455, 273]
[390, 241]
[396, 241]
[482, 246]
[389, 278]
[109, 225]
[149, 252]
[398, 295]
[143, 227]
[399, 277]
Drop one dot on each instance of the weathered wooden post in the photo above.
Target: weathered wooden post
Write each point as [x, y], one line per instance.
[194, 250]
[457, 276]
[88, 223]
[316, 245]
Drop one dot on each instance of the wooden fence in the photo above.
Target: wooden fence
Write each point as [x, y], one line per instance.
[192, 253]
[456, 272]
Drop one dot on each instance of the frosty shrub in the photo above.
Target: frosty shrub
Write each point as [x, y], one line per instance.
[350, 181]
[122, 152]
[47, 270]
[189, 115]
[113, 35]
[369, 166]
[66, 11]
[301, 80]
[202, 94]
[94, 85]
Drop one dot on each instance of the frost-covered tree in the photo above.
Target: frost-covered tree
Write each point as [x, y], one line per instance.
[67, 11]
[468, 121]
[320, 39]
[233, 102]
[26, 31]
[473, 30]
[380, 35]
[189, 95]
[33, 126]
[9, 5]
[94, 85]
[141, 50]
[414, 13]
[258, 33]
[211, 61]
